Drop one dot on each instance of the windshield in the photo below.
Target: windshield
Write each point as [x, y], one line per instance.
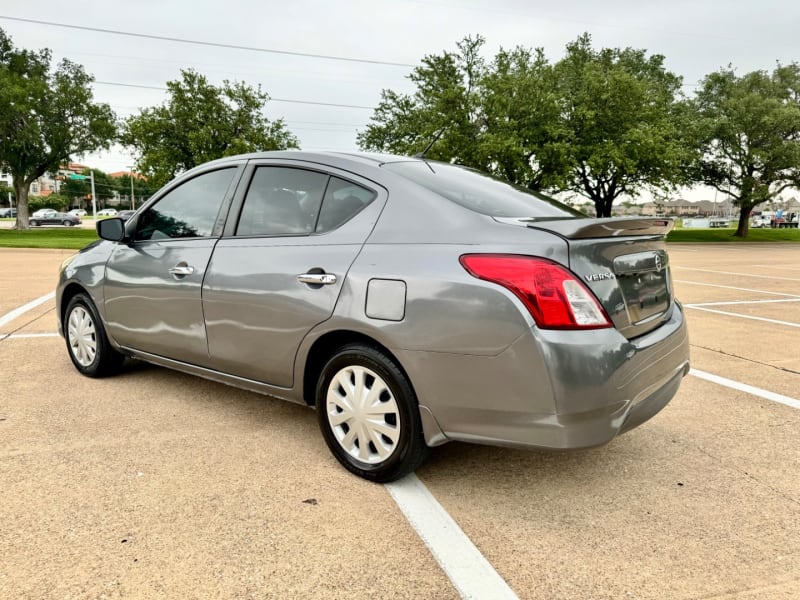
[480, 192]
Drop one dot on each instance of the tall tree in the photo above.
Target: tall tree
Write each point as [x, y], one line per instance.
[523, 137]
[622, 116]
[445, 107]
[46, 116]
[201, 122]
[749, 131]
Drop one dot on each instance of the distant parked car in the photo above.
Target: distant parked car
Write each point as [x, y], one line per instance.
[8, 212]
[107, 212]
[126, 214]
[55, 218]
[758, 222]
[44, 213]
[78, 212]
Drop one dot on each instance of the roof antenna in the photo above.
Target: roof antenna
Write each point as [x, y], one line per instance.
[432, 142]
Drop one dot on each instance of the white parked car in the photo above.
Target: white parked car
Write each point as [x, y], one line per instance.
[107, 212]
[44, 213]
[78, 212]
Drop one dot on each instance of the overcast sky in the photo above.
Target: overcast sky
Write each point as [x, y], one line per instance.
[696, 37]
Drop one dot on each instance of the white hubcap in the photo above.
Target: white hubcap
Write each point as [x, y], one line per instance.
[81, 335]
[363, 415]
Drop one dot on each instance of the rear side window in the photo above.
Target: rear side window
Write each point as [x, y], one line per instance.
[480, 192]
[282, 201]
[343, 200]
[188, 211]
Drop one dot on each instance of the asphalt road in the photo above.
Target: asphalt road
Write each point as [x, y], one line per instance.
[155, 484]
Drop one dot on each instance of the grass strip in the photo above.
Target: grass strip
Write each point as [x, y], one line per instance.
[66, 238]
[726, 235]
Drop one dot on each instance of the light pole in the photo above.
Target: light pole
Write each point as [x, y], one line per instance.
[133, 198]
[94, 200]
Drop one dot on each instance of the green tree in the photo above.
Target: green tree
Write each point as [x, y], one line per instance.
[446, 104]
[4, 191]
[623, 122]
[749, 135]
[46, 116]
[598, 123]
[105, 187]
[496, 117]
[523, 138]
[201, 122]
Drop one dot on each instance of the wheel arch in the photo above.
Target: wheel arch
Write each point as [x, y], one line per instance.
[70, 291]
[325, 346]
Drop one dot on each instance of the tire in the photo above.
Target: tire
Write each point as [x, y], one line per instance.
[67, 223]
[34, 223]
[395, 445]
[87, 343]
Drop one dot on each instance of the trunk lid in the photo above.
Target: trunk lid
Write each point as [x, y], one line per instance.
[623, 261]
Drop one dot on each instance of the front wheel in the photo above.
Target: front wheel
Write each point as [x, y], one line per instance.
[67, 223]
[87, 343]
[368, 414]
[34, 223]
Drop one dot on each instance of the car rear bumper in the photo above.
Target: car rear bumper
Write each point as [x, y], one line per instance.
[552, 389]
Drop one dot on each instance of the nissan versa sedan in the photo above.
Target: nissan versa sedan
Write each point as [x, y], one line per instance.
[411, 302]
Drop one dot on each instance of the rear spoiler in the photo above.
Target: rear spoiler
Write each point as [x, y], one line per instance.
[576, 229]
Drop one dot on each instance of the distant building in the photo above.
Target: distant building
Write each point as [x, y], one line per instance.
[686, 208]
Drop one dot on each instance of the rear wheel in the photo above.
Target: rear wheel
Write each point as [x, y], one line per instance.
[87, 343]
[34, 223]
[66, 223]
[368, 414]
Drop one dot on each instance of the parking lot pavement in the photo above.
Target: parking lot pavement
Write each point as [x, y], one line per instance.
[157, 484]
[702, 500]
[27, 274]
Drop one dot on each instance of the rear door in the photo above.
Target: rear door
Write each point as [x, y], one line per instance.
[279, 269]
[153, 283]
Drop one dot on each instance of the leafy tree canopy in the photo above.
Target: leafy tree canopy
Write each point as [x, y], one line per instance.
[201, 122]
[623, 120]
[749, 135]
[599, 123]
[46, 116]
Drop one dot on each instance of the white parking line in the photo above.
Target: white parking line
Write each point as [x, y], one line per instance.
[748, 389]
[469, 571]
[471, 574]
[736, 302]
[730, 287]
[781, 267]
[17, 312]
[739, 274]
[22, 336]
[751, 317]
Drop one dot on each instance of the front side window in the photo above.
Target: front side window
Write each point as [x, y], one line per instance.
[188, 211]
[282, 201]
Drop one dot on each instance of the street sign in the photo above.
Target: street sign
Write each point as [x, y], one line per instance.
[75, 176]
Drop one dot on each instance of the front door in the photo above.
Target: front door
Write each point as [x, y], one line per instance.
[153, 284]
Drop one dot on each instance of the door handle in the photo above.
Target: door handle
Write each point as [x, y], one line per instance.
[317, 278]
[181, 269]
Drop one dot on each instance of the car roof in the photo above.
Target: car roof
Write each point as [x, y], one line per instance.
[363, 158]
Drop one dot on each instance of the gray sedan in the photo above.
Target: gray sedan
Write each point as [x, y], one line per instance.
[411, 302]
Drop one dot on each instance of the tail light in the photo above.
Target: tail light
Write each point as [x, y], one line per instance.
[554, 296]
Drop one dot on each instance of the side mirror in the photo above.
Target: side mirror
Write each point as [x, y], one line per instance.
[112, 230]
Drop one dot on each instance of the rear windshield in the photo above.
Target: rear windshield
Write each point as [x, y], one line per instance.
[480, 192]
